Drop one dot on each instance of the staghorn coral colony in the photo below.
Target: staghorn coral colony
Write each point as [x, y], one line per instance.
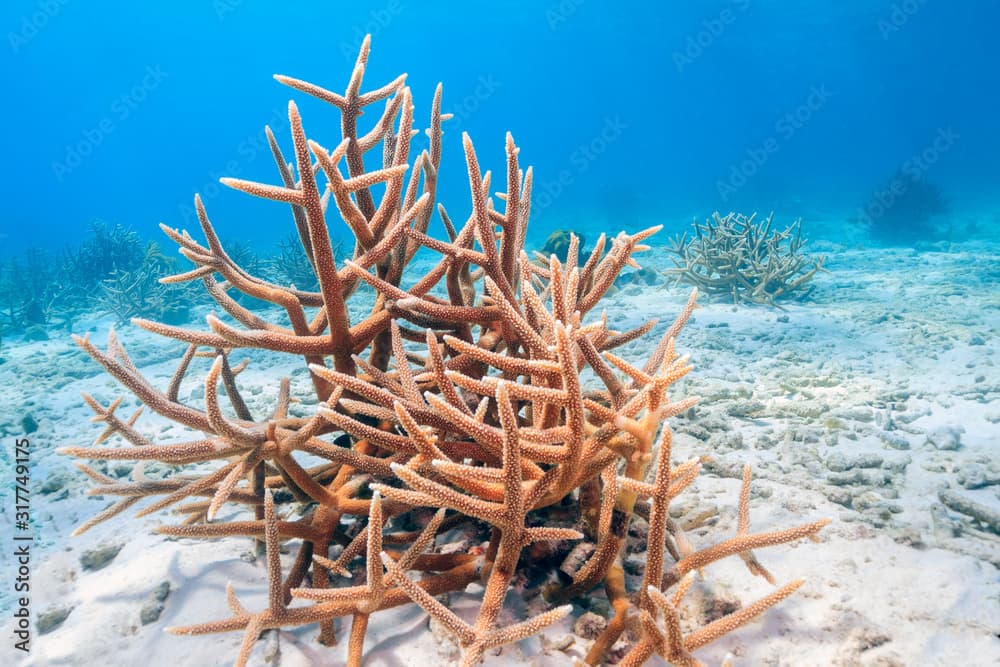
[113, 271]
[481, 396]
[745, 259]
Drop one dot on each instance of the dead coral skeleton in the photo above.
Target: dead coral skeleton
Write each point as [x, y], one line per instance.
[745, 259]
[467, 399]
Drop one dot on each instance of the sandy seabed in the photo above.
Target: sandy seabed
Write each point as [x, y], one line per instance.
[861, 404]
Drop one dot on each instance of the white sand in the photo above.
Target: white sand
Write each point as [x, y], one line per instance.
[895, 346]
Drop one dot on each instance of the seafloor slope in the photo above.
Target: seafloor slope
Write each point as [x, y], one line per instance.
[862, 405]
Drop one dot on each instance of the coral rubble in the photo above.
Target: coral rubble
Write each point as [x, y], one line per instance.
[477, 396]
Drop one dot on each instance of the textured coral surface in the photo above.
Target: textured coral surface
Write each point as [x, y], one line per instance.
[468, 424]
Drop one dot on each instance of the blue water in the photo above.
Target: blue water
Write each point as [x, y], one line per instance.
[631, 112]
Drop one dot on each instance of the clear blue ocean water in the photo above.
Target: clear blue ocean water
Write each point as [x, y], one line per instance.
[632, 113]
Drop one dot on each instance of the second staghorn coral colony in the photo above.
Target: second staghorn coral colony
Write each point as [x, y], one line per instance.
[745, 259]
[480, 396]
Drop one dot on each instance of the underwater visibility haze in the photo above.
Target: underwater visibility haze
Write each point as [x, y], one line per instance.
[120, 112]
[549, 333]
